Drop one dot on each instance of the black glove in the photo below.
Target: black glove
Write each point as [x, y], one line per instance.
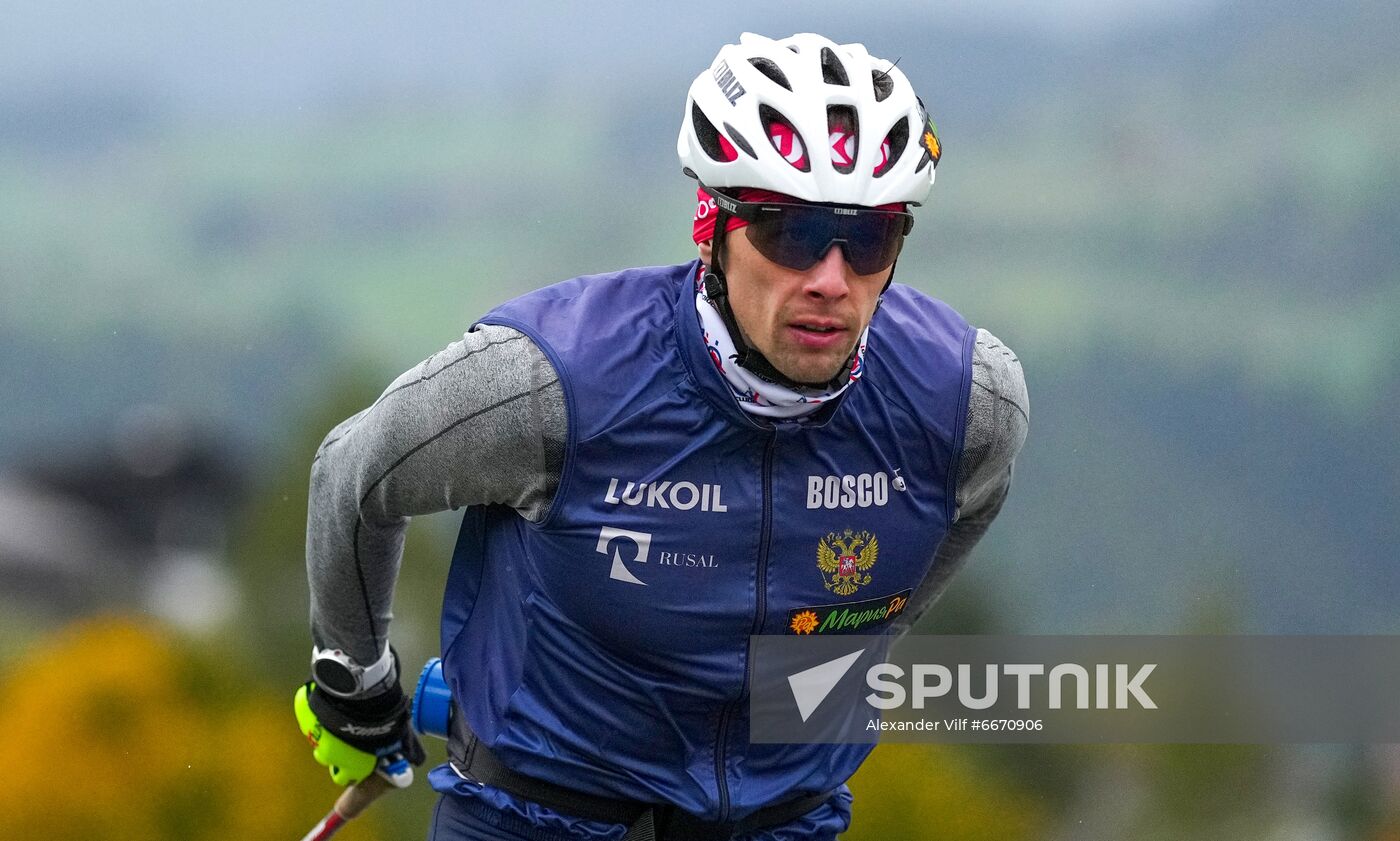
[356, 736]
[377, 724]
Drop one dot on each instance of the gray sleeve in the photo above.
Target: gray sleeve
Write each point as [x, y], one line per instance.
[481, 422]
[998, 417]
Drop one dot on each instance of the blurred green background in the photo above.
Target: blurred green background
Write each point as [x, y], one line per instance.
[225, 228]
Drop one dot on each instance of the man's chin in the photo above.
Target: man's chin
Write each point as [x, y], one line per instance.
[811, 373]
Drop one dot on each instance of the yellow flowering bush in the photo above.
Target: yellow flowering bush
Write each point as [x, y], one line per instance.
[118, 729]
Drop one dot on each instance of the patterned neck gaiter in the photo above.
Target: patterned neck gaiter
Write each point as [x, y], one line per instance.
[757, 395]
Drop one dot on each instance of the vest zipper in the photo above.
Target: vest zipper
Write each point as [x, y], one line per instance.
[760, 609]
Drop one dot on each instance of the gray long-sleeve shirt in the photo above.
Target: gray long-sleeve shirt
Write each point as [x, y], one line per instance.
[484, 422]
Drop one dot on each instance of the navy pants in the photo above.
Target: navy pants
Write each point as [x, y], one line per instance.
[462, 819]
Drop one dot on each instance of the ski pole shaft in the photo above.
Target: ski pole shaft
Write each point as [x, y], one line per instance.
[354, 800]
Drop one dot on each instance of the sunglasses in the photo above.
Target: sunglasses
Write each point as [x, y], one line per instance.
[797, 236]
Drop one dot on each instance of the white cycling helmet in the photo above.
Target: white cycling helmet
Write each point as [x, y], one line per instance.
[751, 118]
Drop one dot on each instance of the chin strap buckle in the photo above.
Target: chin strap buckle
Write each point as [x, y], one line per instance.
[714, 287]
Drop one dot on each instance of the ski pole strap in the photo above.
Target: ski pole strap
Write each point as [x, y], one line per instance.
[645, 821]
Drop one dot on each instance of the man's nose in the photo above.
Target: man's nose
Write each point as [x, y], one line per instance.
[827, 279]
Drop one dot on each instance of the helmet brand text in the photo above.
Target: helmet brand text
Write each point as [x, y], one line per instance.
[728, 85]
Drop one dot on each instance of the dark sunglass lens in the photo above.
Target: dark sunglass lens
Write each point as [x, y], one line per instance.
[794, 238]
[798, 237]
[871, 242]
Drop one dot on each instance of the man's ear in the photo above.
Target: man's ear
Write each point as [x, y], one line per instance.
[705, 251]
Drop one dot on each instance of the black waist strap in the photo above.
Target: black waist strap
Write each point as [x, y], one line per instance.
[645, 821]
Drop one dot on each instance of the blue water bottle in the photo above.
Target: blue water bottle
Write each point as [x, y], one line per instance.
[432, 702]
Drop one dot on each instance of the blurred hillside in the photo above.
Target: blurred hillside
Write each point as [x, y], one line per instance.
[225, 228]
[1183, 228]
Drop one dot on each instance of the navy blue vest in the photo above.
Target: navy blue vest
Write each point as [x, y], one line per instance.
[605, 648]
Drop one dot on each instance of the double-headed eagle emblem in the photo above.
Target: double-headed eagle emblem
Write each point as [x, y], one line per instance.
[845, 557]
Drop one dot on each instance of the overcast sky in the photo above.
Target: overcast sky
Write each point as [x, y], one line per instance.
[268, 52]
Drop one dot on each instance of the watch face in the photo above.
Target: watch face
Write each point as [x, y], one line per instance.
[335, 676]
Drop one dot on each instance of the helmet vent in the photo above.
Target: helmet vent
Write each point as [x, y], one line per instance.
[710, 139]
[844, 136]
[884, 85]
[785, 139]
[739, 140]
[894, 144]
[833, 71]
[767, 67]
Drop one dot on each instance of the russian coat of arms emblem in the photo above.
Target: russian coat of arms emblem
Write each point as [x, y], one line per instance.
[847, 559]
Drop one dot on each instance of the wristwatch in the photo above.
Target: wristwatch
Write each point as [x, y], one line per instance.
[336, 673]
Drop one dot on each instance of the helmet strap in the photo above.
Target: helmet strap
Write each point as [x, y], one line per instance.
[717, 290]
[888, 281]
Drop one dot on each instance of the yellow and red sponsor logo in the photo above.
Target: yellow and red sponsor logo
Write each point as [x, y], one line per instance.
[935, 149]
[803, 622]
[853, 618]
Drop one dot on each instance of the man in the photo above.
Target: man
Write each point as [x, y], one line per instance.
[658, 463]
